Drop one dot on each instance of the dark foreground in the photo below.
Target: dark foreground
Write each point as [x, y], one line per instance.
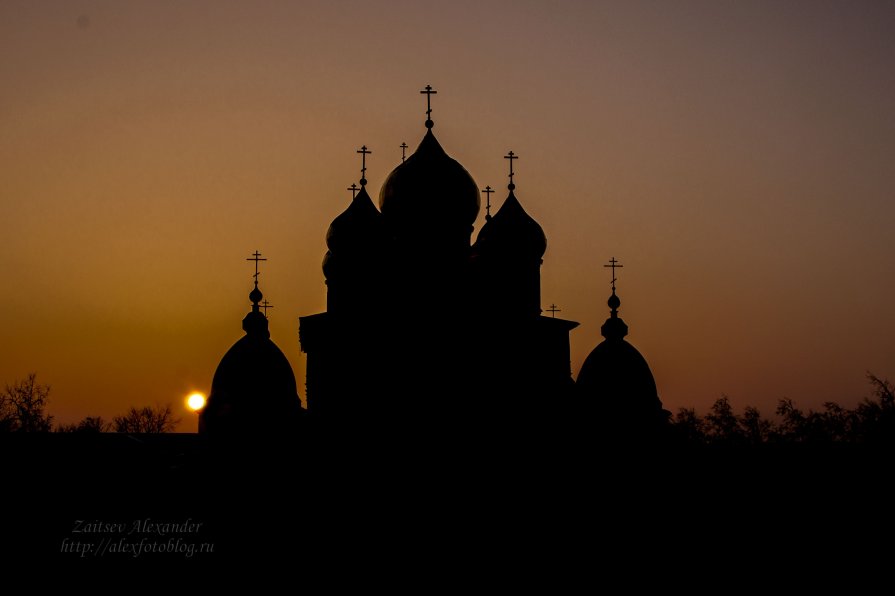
[544, 509]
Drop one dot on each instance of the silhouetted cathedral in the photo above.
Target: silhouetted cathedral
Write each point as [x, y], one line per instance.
[422, 327]
[426, 330]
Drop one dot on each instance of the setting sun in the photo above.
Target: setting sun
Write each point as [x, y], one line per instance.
[195, 401]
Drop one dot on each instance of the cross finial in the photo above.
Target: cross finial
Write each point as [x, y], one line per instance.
[553, 310]
[429, 92]
[488, 190]
[403, 151]
[255, 295]
[353, 188]
[614, 264]
[265, 305]
[364, 152]
[511, 156]
[256, 256]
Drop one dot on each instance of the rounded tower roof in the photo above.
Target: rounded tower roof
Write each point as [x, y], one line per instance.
[617, 375]
[254, 380]
[616, 378]
[253, 390]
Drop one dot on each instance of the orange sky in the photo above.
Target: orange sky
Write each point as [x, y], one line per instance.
[736, 157]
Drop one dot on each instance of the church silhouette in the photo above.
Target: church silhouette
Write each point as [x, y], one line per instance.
[469, 350]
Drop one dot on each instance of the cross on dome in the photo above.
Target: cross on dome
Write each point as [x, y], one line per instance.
[614, 264]
[364, 152]
[429, 92]
[488, 190]
[511, 156]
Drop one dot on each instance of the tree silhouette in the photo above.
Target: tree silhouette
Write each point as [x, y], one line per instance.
[792, 421]
[149, 419]
[722, 425]
[23, 405]
[883, 389]
[689, 426]
[833, 424]
[872, 422]
[754, 428]
[875, 418]
[90, 424]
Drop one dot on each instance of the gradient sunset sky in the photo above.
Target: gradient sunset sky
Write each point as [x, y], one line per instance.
[736, 157]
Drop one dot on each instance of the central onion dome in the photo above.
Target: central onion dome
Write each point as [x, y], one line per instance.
[429, 189]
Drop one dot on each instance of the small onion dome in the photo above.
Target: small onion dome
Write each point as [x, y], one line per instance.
[511, 232]
[430, 188]
[354, 237]
[614, 327]
[355, 228]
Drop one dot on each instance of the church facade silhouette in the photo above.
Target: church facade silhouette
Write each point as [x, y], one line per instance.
[469, 346]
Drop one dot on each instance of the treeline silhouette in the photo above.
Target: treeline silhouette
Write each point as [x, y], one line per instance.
[23, 408]
[871, 422]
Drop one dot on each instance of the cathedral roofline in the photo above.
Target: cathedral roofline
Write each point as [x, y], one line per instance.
[560, 323]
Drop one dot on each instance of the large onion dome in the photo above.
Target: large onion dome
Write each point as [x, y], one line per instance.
[429, 191]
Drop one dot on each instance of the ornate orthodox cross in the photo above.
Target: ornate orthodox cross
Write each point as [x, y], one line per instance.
[353, 188]
[511, 156]
[553, 310]
[403, 151]
[364, 152]
[428, 92]
[614, 265]
[256, 256]
[488, 190]
[265, 305]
